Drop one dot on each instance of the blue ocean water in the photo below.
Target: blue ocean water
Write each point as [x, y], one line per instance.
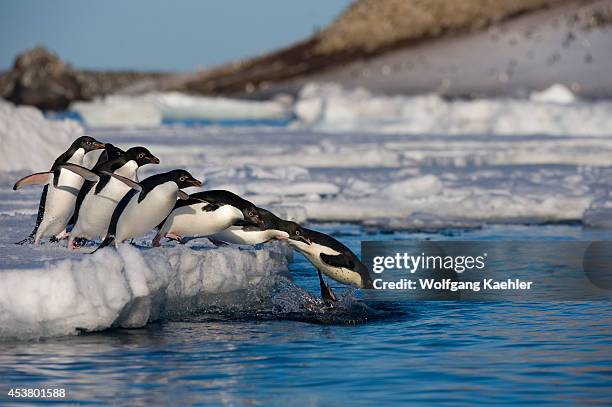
[421, 353]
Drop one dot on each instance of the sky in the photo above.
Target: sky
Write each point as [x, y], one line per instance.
[163, 35]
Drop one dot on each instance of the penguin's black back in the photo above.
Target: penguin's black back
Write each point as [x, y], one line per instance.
[215, 196]
[326, 240]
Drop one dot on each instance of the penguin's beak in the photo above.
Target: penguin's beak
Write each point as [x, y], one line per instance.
[97, 145]
[153, 160]
[259, 221]
[194, 182]
[302, 239]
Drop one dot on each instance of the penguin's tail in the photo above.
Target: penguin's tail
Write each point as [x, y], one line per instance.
[108, 240]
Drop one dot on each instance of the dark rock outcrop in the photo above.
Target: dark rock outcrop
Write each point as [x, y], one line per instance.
[39, 78]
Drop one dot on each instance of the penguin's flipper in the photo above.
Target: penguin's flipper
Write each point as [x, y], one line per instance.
[326, 291]
[211, 207]
[183, 195]
[39, 178]
[132, 184]
[338, 260]
[109, 239]
[82, 171]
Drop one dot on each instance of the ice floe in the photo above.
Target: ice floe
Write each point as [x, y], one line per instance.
[127, 287]
[151, 109]
[555, 111]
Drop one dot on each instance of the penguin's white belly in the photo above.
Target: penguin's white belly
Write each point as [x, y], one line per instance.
[97, 209]
[193, 221]
[341, 274]
[59, 204]
[137, 219]
[237, 235]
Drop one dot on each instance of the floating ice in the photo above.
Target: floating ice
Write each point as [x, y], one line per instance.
[555, 111]
[556, 93]
[128, 287]
[151, 109]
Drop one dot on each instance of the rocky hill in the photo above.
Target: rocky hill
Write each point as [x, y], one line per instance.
[367, 31]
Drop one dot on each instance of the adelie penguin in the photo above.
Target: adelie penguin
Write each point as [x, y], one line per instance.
[206, 213]
[333, 259]
[274, 228]
[147, 204]
[62, 185]
[109, 153]
[97, 200]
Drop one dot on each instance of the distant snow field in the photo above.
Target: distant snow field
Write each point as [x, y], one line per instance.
[417, 162]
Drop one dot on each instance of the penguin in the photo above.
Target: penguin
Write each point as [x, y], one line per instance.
[333, 259]
[206, 213]
[147, 204]
[109, 153]
[97, 200]
[61, 186]
[273, 228]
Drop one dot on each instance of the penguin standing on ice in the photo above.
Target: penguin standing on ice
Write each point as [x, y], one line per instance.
[273, 228]
[97, 200]
[333, 259]
[109, 153]
[206, 213]
[62, 186]
[147, 204]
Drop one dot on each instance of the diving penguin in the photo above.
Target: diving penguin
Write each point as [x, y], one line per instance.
[273, 228]
[333, 259]
[206, 213]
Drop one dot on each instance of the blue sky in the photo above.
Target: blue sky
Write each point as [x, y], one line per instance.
[158, 34]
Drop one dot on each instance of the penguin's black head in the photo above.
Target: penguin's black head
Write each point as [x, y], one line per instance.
[295, 232]
[184, 179]
[251, 214]
[112, 152]
[88, 143]
[141, 155]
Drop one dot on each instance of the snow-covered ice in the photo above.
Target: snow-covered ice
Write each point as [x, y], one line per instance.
[30, 142]
[48, 291]
[330, 108]
[151, 109]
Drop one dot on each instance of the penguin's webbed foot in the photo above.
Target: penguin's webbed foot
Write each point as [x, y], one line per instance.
[218, 243]
[27, 240]
[326, 291]
[173, 236]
